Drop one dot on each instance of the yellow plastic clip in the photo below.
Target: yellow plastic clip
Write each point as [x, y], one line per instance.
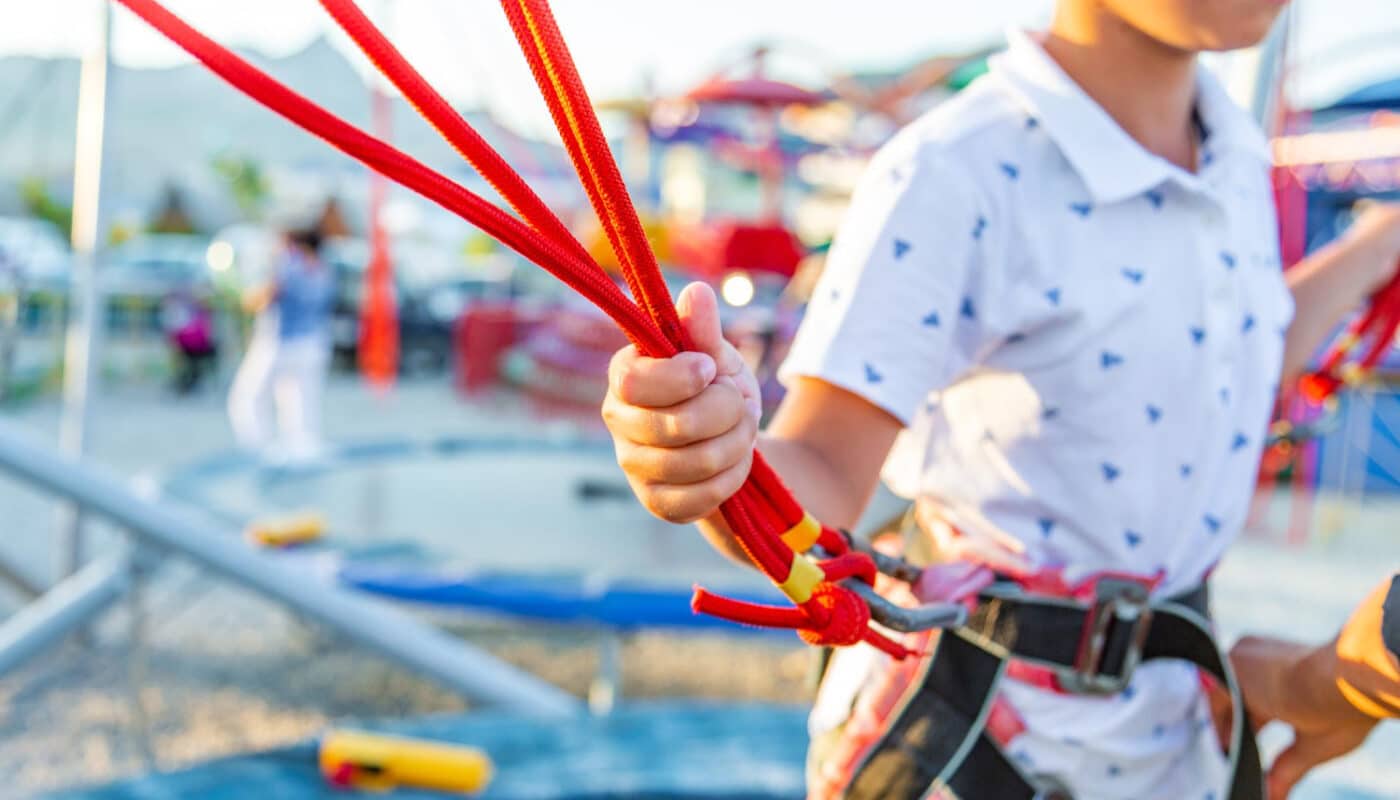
[803, 535]
[380, 763]
[802, 578]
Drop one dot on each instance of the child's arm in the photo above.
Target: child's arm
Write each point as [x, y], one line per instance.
[1337, 279]
[684, 429]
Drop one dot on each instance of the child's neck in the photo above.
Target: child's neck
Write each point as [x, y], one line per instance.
[1148, 87]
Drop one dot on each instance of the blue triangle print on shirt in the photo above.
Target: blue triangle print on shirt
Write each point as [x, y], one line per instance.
[1155, 197]
[1011, 170]
[901, 248]
[1186, 470]
[1153, 414]
[1082, 209]
[1239, 442]
[1212, 523]
[1198, 335]
[871, 376]
[968, 310]
[1047, 526]
[1228, 259]
[1049, 413]
[1032, 123]
[1110, 472]
[1248, 323]
[1134, 275]
[932, 319]
[1133, 538]
[979, 227]
[1108, 359]
[1016, 338]
[1053, 295]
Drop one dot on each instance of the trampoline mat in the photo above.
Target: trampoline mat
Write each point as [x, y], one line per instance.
[655, 750]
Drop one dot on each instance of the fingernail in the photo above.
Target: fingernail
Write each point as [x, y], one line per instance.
[707, 368]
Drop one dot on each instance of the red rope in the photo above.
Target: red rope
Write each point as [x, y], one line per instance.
[434, 108]
[763, 508]
[404, 169]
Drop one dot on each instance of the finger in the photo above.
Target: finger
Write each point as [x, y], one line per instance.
[699, 313]
[717, 409]
[1290, 767]
[658, 382]
[692, 464]
[684, 504]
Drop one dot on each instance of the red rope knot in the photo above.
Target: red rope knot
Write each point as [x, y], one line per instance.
[837, 617]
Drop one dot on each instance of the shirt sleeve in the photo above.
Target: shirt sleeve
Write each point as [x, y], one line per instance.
[894, 315]
[1368, 652]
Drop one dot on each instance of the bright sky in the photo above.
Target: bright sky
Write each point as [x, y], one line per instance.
[465, 48]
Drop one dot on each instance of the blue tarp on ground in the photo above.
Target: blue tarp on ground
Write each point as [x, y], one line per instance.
[653, 750]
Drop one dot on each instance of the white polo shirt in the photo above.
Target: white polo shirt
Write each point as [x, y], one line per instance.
[1084, 343]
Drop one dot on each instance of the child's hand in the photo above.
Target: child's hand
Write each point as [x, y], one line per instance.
[969, 537]
[684, 428]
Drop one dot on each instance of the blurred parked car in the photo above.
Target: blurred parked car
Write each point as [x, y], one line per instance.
[154, 265]
[34, 251]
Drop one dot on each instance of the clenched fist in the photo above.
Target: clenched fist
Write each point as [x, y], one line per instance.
[684, 428]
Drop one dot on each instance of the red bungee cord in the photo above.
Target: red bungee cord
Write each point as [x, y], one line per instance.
[1375, 328]
[767, 521]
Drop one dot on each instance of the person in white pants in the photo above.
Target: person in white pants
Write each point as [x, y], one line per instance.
[284, 369]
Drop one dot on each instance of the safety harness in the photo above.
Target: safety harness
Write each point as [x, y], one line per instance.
[937, 743]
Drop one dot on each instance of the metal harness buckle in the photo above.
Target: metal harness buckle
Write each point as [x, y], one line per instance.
[1117, 601]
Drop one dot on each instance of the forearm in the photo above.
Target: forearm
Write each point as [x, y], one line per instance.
[817, 484]
[1326, 286]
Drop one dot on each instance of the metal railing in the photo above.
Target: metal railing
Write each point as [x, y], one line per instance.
[165, 528]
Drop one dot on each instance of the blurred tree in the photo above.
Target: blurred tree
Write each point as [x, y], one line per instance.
[245, 181]
[172, 216]
[39, 202]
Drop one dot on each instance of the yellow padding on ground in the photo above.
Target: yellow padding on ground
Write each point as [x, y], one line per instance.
[381, 763]
[286, 531]
[802, 579]
[803, 535]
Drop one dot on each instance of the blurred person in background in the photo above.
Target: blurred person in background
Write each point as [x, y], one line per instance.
[1055, 318]
[275, 401]
[189, 327]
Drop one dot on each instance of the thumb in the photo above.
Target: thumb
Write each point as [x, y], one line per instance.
[699, 313]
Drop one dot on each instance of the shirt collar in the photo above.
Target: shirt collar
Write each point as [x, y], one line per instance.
[1110, 162]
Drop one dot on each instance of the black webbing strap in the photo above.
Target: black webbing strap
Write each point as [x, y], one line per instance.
[937, 741]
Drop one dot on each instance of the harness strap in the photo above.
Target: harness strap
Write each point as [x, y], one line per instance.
[937, 743]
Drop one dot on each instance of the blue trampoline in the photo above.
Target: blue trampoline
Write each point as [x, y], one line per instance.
[670, 751]
[605, 562]
[622, 605]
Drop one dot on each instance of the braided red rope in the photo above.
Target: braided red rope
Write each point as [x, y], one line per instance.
[763, 508]
[1375, 328]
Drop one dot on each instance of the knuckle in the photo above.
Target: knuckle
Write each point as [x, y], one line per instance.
[671, 428]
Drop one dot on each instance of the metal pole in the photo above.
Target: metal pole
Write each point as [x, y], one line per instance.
[218, 548]
[67, 606]
[85, 295]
